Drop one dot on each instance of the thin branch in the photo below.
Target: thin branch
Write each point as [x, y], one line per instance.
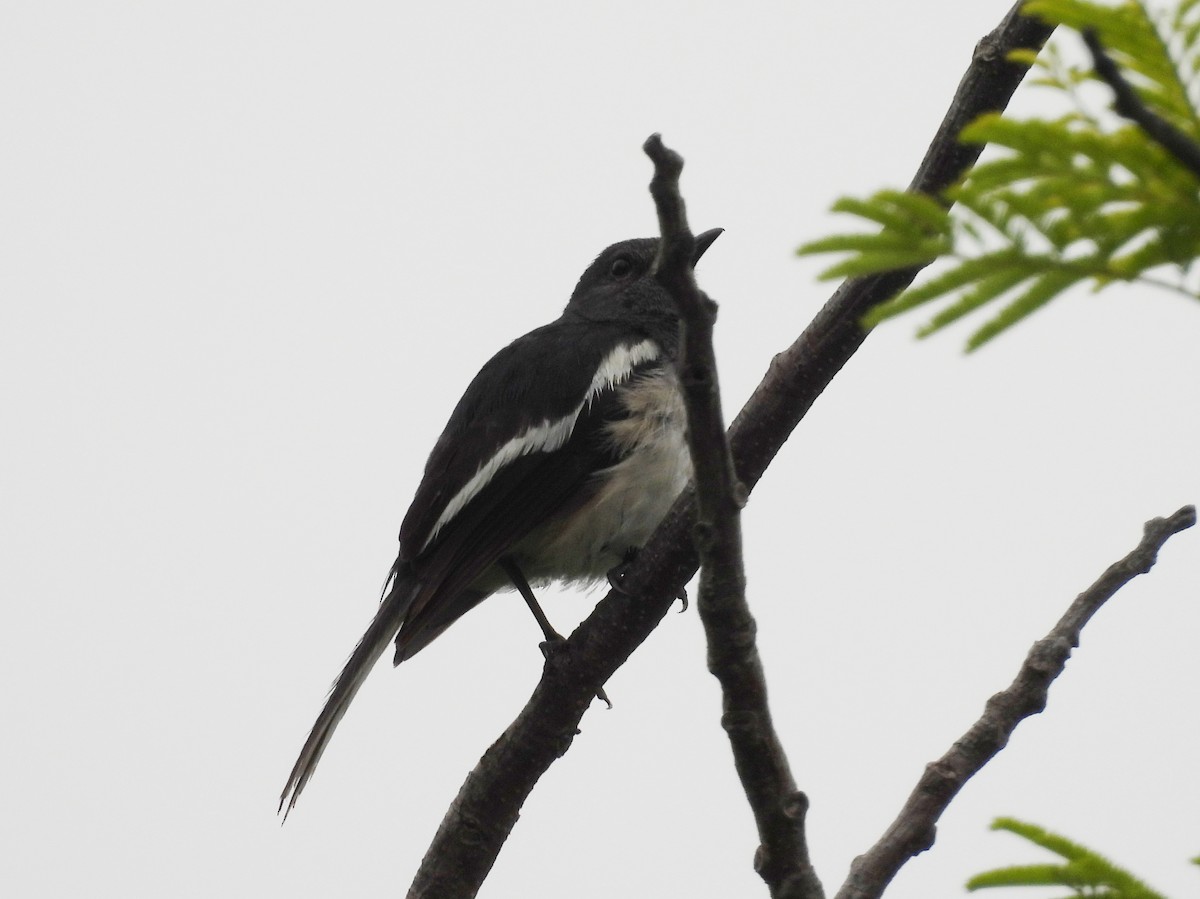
[488, 804]
[1130, 105]
[778, 807]
[913, 830]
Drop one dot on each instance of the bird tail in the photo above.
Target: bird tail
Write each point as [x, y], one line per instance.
[371, 646]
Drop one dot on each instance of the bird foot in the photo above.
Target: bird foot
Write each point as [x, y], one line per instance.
[617, 574]
[550, 647]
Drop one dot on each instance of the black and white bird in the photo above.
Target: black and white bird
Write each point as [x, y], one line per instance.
[559, 461]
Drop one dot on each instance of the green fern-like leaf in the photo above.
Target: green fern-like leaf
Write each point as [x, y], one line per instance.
[1085, 871]
[969, 271]
[900, 211]
[1024, 876]
[916, 230]
[1063, 201]
[1039, 836]
[985, 290]
[881, 260]
[1037, 295]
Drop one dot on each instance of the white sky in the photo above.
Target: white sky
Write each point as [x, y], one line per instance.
[253, 252]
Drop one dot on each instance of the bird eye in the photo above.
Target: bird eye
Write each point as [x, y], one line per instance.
[620, 267]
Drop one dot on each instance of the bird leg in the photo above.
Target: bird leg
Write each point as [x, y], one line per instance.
[518, 580]
[553, 637]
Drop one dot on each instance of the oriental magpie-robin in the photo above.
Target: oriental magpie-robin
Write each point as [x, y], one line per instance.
[561, 458]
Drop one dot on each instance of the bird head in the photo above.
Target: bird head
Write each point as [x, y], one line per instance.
[619, 285]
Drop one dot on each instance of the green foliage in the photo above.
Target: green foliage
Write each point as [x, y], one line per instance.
[1085, 872]
[1085, 197]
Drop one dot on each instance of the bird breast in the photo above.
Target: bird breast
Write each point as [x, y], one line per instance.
[633, 495]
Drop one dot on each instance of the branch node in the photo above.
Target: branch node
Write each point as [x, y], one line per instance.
[704, 535]
[1051, 653]
[925, 839]
[472, 831]
[939, 775]
[796, 806]
[663, 157]
[739, 721]
[760, 859]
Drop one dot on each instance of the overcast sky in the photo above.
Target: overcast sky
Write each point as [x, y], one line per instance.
[252, 252]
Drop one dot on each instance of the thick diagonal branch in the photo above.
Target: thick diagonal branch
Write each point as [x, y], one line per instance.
[487, 806]
[913, 830]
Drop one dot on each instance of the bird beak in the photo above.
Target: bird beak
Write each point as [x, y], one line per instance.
[703, 242]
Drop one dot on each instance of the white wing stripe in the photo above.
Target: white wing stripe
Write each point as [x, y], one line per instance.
[549, 435]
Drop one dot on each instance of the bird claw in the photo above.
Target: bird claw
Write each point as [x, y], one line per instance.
[616, 576]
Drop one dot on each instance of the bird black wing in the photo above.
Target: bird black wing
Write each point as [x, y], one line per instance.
[529, 492]
[524, 400]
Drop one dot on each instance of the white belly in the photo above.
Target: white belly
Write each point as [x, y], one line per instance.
[634, 494]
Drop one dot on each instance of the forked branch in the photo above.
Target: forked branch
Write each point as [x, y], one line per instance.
[487, 806]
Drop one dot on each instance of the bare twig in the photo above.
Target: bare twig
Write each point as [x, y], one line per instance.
[1130, 105]
[913, 830]
[487, 805]
[778, 807]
